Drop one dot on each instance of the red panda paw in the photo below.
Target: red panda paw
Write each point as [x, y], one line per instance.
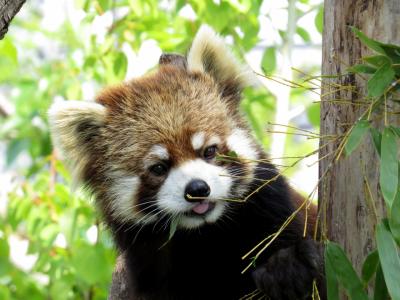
[289, 273]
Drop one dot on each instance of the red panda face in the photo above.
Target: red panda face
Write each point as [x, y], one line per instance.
[165, 133]
[150, 149]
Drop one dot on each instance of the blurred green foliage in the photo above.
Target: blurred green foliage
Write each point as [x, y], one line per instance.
[42, 209]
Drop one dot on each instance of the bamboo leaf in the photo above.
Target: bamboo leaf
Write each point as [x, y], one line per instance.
[376, 138]
[319, 19]
[361, 68]
[389, 259]
[394, 220]
[369, 267]
[356, 135]
[332, 285]
[303, 34]
[172, 227]
[392, 51]
[389, 50]
[268, 62]
[389, 166]
[344, 271]
[381, 292]
[376, 60]
[370, 43]
[379, 82]
[396, 130]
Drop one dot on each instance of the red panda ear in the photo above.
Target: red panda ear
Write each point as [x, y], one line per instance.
[173, 59]
[75, 128]
[209, 54]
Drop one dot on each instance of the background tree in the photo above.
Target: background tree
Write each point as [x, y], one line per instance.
[8, 9]
[359, 106]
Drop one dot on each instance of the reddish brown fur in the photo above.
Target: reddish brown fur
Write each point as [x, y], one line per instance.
[156, 110]
[166, 107]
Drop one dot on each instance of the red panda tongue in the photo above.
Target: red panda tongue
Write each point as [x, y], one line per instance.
[201, 208]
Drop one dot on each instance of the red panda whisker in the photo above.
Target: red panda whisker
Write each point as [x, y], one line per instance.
[144, 203]
[161, 219]
[142, 225]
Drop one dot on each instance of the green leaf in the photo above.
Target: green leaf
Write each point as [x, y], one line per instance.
[5, 293]
[392, 51]
[389, 259]
[49, 234]
[344, 272]
[232, 154]
[381, 292]
[376, 60]
[396, 130]
[389, 166]
[303, 34]
[319, 19]
[268, 62]
[105, 4]
[173, 227]
[4, 248]
[380, 81]
[369, 266]
[8, 49]
[376, 138]
[356, 135]
[361, 68]
[90, 61]
[370, 43]
[15, 148]
[332, 285]
[313, 114]
[60, 290]
[389, 50]
[92, 263]
[120, 65]
[394, 220]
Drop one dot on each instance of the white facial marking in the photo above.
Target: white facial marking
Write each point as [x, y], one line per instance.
[198, 140]
[240, 142]
[160, 151]
[122, 193]
[171, 195]
[214, 140]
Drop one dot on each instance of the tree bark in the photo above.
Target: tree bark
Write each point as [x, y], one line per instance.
[8, 9]
[120, 289]
[348, 216]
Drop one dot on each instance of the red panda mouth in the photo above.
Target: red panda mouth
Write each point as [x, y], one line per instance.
[202, 208]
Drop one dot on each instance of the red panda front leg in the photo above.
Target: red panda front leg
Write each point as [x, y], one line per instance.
[289, 273]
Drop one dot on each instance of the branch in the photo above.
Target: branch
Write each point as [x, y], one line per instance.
[8, 9]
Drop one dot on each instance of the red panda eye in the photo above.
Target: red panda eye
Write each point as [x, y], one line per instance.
[210, 152]
[159, 169]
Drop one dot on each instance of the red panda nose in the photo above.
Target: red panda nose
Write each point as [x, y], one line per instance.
[196, 190]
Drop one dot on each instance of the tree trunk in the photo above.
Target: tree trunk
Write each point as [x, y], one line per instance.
[8, 9]
[120, 289]
[347, 214]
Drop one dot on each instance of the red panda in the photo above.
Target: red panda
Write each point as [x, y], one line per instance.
[171, 152]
